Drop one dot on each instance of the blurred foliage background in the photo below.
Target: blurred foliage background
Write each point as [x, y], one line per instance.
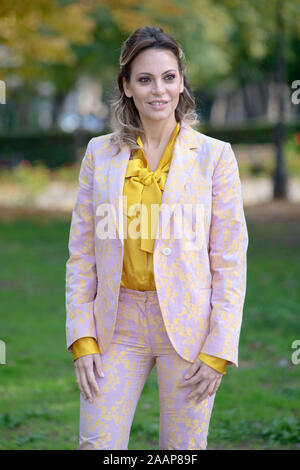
[59, 59]
[58, 63]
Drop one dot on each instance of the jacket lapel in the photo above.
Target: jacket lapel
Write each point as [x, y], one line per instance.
[116, 179]
[184, 155]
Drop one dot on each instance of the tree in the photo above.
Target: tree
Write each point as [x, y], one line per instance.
[261, 33]
[41, 32]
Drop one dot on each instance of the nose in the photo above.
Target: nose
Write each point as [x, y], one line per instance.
[158, 86]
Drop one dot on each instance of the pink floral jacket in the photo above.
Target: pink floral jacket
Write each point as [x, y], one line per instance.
[200, 280]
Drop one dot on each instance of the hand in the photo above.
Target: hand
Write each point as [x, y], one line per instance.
[205, 378]
[85, 376]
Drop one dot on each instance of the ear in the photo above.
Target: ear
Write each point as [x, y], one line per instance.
[125, 86]
[182, 85]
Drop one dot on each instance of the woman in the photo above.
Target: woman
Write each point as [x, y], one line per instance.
[136, 297]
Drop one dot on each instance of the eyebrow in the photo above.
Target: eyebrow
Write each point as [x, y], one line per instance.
[147, 73]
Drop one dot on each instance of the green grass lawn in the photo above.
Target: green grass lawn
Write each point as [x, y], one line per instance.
[257, 404]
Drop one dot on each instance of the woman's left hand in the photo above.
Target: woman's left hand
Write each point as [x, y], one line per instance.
[205, 378]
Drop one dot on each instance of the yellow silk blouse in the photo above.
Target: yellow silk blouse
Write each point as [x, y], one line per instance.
[143, 186]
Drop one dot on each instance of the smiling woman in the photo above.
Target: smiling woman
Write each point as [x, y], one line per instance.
[138, 301]
[154, 87]
[151, 71]
[155, 95]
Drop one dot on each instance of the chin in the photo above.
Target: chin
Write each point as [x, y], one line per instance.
[156, 116]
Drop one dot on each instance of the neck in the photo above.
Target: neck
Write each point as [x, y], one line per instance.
[158, 132]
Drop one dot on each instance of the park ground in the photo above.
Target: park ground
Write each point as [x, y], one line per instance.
[257, 404]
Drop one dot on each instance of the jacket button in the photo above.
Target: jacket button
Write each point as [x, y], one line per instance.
[167, 251]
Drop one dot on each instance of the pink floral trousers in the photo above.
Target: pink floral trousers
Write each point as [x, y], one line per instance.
[140, 341]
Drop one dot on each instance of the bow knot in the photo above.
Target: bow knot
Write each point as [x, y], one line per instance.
[144, 176]
[146, 186]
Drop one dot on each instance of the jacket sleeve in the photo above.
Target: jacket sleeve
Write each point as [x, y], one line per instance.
[228, 246]
[81, 276]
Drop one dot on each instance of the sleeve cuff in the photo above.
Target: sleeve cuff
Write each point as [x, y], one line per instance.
[216, 363]
[84, 346]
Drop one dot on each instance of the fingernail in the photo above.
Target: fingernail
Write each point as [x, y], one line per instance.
[101, 375]
[186, 376]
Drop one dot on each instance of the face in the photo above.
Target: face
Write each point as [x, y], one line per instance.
[154, 78]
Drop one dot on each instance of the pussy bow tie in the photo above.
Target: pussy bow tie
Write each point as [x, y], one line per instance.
[146, 186]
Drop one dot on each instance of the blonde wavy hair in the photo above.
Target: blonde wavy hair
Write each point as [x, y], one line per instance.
[126, 123]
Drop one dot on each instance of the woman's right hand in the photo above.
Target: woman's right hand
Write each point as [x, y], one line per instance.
[85, 376]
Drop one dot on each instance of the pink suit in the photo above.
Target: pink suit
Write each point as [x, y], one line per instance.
[200, 283]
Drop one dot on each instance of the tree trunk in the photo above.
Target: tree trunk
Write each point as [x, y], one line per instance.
[279, 191]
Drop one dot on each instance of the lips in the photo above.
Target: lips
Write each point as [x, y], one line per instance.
[158, 105]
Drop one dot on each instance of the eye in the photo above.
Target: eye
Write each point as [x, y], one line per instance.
[170, 75]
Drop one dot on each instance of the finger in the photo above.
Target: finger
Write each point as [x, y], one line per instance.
[193, 369]
[203, 394]
[77, 375]
[198, 390]
[79, 381]
[217, 384]
[92, 382]
[98, 365]
[193, 380]
[202, 397]
[212, 388]
[84, 384]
